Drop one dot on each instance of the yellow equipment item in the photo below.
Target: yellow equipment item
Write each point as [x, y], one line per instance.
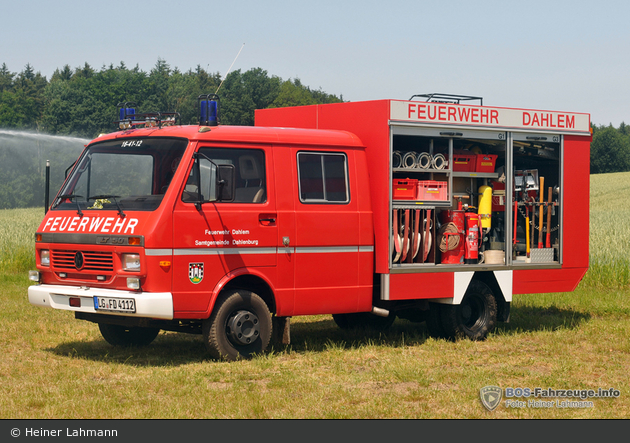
[485, 207]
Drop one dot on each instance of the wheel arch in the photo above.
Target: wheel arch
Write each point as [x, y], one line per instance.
[502, 293]
[499, 282]
[244, 279]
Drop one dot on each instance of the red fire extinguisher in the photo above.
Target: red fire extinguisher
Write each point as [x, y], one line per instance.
[471, 254]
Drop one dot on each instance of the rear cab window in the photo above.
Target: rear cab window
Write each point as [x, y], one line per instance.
[323, 177]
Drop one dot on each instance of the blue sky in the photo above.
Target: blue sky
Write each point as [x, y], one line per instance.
[556, 55]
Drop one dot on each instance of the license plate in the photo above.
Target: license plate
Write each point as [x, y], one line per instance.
[113, 304]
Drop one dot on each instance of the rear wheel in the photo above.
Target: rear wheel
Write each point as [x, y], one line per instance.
[475, 317]
[239, 327]
[117, 335]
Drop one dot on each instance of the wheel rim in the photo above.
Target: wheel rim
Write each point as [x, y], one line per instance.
[243, 328]
[473, 313]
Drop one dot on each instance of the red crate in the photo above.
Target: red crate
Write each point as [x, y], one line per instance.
[432, 190]
[464, 161]
[485, 162]
[405, 188]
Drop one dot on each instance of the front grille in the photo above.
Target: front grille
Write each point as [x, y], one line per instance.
[93, 261]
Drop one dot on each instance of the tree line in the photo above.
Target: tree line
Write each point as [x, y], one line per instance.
[610, 149]
[83, 101]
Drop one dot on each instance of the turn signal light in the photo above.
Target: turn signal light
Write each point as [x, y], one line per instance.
[134, 241]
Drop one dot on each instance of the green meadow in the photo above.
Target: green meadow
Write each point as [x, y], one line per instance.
[56, 367]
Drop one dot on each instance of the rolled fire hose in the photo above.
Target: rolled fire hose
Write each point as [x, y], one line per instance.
[453, 239]
[405, 237]
[397, 160]
[423, 160]
[409, 160]
[439, 161]
[396, 236]
[427, 236]
[416, 236]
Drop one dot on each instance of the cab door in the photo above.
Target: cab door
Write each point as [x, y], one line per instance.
[327, 233]
[214, 239]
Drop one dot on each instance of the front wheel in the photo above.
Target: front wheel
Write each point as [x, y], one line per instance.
[117, 335]
[239, 327]
[475, 317]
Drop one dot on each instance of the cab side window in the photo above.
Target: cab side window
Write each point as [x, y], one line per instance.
[323, 177]
[250, 175]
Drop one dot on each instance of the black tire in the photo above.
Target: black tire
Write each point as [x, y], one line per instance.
[365, 320]
[475, 317]
[117, 335]
[239, 327]
[434, 321]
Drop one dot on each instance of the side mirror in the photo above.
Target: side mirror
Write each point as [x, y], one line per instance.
[226, 183]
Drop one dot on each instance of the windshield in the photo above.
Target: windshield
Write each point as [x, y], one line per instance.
[127, 174]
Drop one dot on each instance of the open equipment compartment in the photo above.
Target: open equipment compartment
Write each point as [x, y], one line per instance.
[421, 183]
[537, 176]
[465, 223]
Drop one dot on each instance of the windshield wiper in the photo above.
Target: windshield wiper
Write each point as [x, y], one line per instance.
[107, 196]
[71, 197]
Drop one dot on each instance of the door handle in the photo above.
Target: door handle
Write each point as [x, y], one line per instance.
[267, 219]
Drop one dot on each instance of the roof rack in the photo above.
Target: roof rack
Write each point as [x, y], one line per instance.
[447, 98]
[129, 119]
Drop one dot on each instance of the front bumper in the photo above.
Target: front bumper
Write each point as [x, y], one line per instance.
[148, 304]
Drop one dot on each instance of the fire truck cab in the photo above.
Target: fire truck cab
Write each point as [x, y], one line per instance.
[425, 209]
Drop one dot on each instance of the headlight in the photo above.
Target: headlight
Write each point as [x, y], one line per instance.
[131, 262]
[44, 257]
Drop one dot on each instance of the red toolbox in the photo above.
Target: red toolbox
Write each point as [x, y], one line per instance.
[432, 190]
[405, 189]
[464, 161]
[485, 162]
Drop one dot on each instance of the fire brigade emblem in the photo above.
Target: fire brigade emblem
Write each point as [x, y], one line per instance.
[195, 272]
[490, 397]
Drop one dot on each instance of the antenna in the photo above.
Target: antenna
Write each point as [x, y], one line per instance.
[228, 71]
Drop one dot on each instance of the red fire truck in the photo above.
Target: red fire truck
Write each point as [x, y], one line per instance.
[435, 209]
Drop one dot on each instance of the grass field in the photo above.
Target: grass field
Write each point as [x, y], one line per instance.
[58, 367]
